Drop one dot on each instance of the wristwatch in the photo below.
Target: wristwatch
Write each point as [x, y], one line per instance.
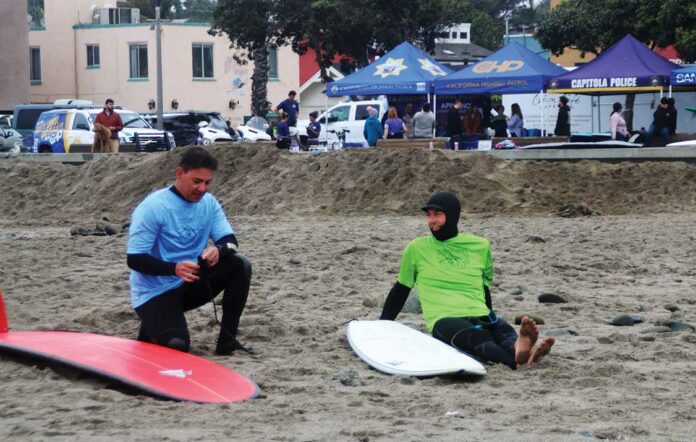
[227, 248]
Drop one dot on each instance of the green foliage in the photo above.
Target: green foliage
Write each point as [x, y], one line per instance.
[594, 25]
[168, 8]
[194, 10]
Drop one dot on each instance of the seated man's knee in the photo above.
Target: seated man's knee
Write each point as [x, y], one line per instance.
[177, 344]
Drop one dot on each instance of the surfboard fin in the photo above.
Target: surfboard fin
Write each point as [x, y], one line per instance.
[4, 326]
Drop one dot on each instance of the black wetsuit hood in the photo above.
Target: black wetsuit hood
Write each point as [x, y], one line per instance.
[449, 204]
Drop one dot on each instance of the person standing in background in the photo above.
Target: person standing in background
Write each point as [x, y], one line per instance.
[394, 127]
[563, 120]
[408, 120]
[515, 123]
[290, 107]
[313, 129]
[619, 132]
[424, 123]
[110, 119]
[372, 131]
[454, 123]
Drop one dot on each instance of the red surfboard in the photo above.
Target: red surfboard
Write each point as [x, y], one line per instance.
[151, 368]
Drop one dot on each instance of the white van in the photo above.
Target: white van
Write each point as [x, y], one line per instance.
[58, 130]
[349, 115]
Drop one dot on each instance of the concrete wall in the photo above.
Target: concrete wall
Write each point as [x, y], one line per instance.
[14, 47]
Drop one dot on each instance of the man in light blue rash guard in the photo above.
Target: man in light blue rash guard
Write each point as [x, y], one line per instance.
[175, 269]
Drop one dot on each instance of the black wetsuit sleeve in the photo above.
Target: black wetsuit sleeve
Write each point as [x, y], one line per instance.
[489, 300]
[148, 264]
[227, 238]
[395, 301]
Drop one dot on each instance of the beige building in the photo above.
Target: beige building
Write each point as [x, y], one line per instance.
[14, 47]
[94, 53]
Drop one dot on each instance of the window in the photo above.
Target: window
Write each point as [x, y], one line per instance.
[92, 56]
[361, 112]
[463, 35]
[202, 60]
[80, 122]
[443, 35]
[35, 65]
[35, 10]
[120, 15]
[341, 113]
[138, 61]
[272, 63]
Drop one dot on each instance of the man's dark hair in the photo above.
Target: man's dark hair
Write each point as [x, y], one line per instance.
[664, 100]
[426, 107]
[109, 100]
[197, 157]
[564, 99]
[292, 93]
[314, 114]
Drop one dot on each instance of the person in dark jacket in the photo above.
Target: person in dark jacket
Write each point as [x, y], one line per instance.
[563, 120]
[499, 122]
[673, 120]
[662, 123]
[454, 121]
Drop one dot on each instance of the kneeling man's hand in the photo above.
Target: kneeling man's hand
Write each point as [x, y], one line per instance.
[211, 255]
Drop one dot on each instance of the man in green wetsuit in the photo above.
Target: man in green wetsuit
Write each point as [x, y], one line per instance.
[454, 272]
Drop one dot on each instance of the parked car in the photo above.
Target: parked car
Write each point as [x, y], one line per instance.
[5, 121]
[9, 139]
[350, 115]
[25, 115]
[57, 130]
[195, 127]
[256, 129]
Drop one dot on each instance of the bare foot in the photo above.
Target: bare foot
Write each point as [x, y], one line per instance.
[529, 333]
[541, 350]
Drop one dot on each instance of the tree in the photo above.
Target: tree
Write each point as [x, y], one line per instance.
[200, 11]
[251, 27]
[359, 29]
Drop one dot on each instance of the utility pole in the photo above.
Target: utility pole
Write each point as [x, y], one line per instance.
[160, 99]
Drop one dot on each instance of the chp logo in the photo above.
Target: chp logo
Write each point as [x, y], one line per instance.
[431, 67]
[391, 68]
[486, 67]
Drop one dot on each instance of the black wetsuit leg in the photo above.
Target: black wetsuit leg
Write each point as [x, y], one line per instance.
[489, 342]
[233, 275]
[163, 320]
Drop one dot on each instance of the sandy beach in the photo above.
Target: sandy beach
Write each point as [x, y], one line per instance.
[325, 234]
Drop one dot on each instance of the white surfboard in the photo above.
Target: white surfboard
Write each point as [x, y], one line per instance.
[394, 348]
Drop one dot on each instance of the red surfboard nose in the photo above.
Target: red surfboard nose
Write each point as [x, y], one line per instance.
[4, 326]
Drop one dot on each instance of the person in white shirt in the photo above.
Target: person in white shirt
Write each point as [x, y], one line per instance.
[516, 122]
[619, 131]
[424, 123]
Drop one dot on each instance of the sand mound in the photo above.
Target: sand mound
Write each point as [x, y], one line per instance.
[258, 180]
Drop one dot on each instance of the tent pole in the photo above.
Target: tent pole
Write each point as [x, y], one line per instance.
[435, 112]
[543, 108]
[599, 114]
[670, 91]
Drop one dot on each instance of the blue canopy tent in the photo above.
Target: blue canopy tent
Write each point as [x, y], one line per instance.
[627, 66]
[684, 77]
[512, 69]
[405, 70]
